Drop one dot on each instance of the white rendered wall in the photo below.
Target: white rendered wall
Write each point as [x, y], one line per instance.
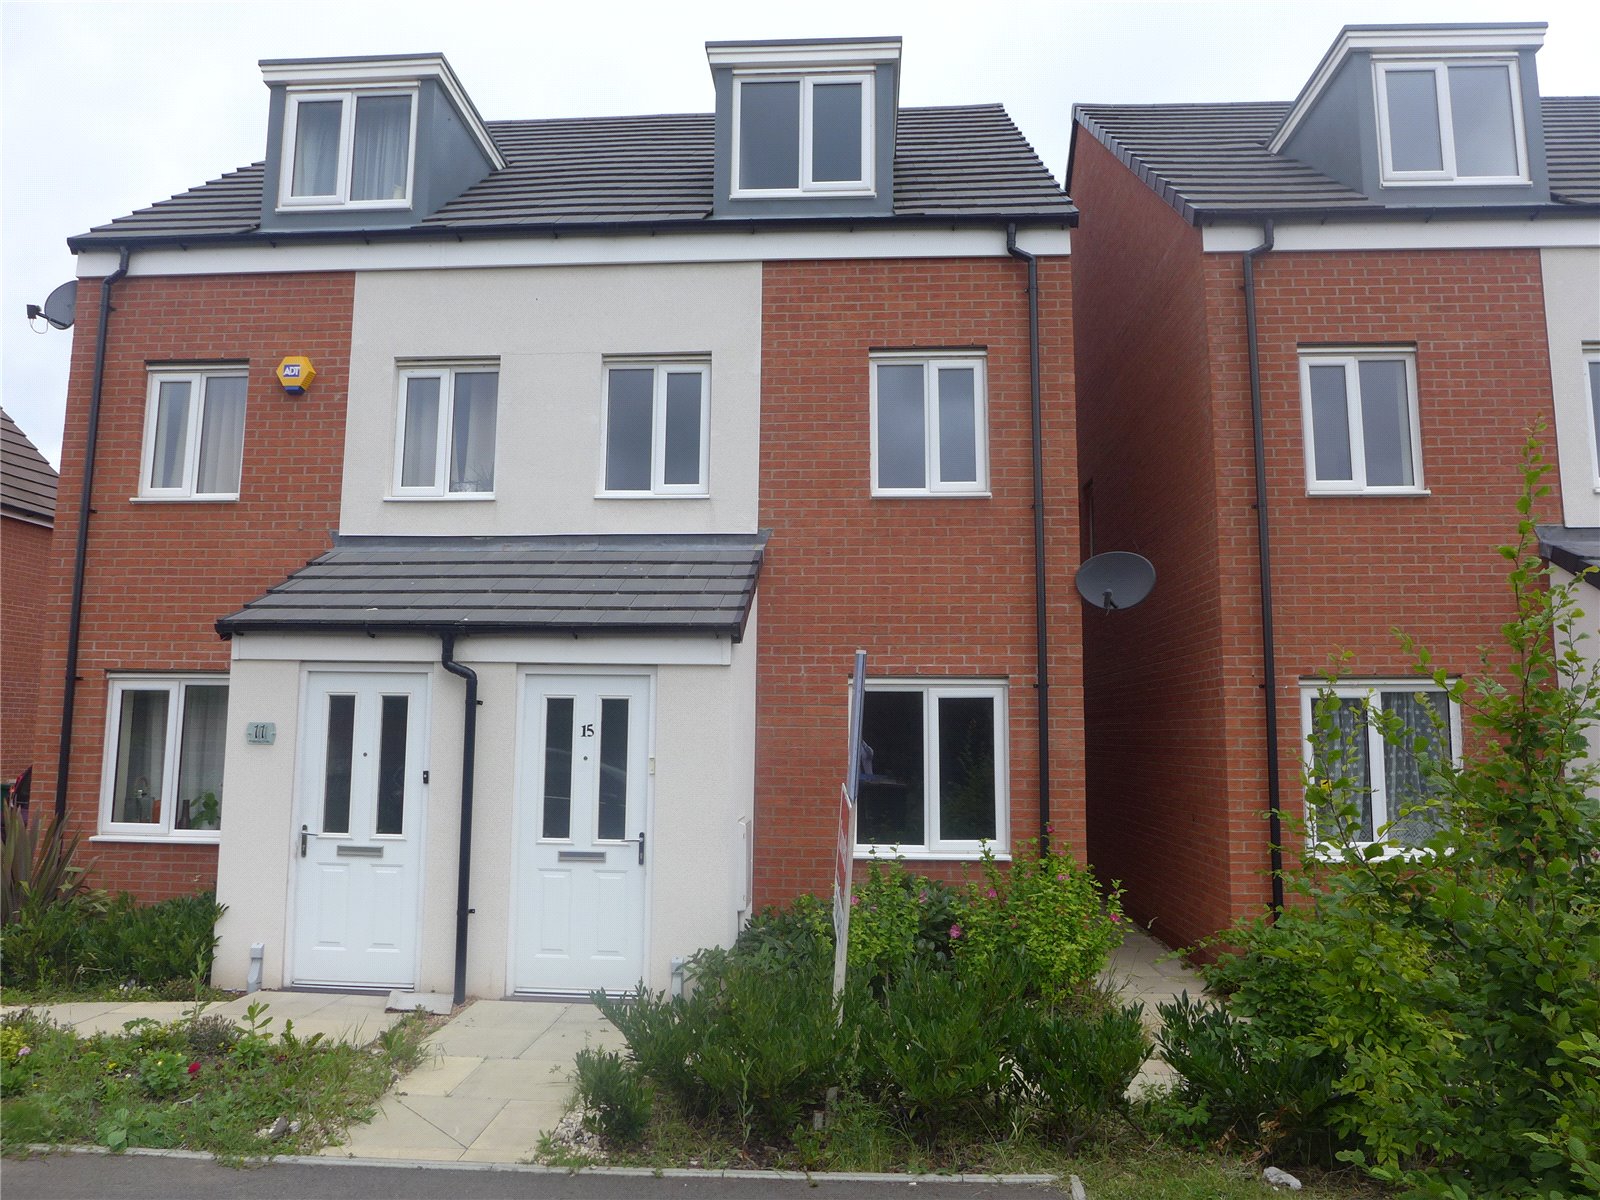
[1586, 633]
[551, 329]
[703, 744]
[1572, 313]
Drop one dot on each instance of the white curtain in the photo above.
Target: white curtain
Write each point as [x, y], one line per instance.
[221, 436]
[205, 719]
[1413, 818]
[382, 148]
[141, 756]
[172, 434]
[316, 148]
[421, 447]
[472, 437]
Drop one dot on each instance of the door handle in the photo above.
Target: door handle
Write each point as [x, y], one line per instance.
[304, 834]
[641, 847]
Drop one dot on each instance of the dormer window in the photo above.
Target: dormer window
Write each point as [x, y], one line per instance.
[1456, 120]
[348, 149]
[794, 134]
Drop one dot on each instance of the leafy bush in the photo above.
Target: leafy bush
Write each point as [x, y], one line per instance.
[1450, 999]
[777, 939]
[615, 1095]
[1076, 1065]
[1047, 908]
[86, 940]
[36, 864]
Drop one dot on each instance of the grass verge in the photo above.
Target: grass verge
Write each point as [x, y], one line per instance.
[198, 1083]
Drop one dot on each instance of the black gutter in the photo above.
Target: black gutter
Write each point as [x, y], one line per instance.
[469, 762]
[1269, 654]
[1065, 219]
[1040, 591]
[227, 628]
[69, 694]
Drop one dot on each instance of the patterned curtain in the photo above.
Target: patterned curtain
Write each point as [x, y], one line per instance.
[1414, 814]
[1346, 759]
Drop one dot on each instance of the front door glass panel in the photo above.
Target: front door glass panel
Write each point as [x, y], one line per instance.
[392, 764]
[337, 763]
[557, 822]
[613, 807]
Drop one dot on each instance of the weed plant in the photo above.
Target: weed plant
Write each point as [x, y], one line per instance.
[200, 1083]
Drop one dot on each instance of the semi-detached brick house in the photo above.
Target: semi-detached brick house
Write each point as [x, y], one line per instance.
[1423, 229]
[27, 515]
[578, 384]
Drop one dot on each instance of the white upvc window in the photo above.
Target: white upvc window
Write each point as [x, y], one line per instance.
[930, 431]
[655, 428]
[161, 776]
[354, 148]
[445, 431]
[799, 133]
[1386, 787]
[1361, 425]
[934, 771]
[1591, 367]
[1451, 120]
[193, 434]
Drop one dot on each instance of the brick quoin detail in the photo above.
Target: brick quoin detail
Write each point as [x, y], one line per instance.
[1177, 795]
[159, 574]
[930, 588]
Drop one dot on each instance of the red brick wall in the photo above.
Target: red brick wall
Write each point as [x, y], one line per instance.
[160, 573]
[1153, 675]
[934, 588]
[25, 560]
[1177, 753]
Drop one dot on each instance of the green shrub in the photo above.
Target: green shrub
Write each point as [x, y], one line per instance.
[1449, 998]
[777, 939]
[36, 863]
[1076, 1064]
[1047, 908]
[87, 940]
[614, 1094]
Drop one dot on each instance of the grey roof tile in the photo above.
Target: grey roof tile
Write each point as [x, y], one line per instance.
[1575, 549]
[638, 584]
[1209, 160]
[954, 161]
[27, 480]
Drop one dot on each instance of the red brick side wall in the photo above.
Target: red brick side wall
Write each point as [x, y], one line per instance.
[1153, 675]
[1177, 752]
[25, 560]
[942, 589]
[160, 573]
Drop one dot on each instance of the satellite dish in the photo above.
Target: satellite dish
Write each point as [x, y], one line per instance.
[60, 308]
[1116, 579]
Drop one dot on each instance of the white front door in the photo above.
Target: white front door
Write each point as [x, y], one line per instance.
[579, 894]
[358, 830]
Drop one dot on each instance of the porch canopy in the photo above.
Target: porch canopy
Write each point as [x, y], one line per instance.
[598, 584]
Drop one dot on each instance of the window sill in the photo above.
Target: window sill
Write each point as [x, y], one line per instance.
[652, 495]
[1380, 493]
[853, 193]
[234, 499]
[323, 206]
[157, 839]
[1334, 855]
[447, 497]
[1459, 181]
[984, 494]
[890, 853]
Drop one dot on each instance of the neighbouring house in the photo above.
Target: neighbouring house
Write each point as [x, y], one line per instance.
[27, 517]
[485, 514]
[1312, 338]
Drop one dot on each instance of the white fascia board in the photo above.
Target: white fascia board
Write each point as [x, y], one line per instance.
[355, 72]
[802, 54]
[569, 250]
[1440, 234]
[1403, 39]
[556, 648]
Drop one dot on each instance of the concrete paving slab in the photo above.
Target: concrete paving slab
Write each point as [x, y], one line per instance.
[69, 1014]
[399, 1132]
[438, 1076]
[516, 1079]
[278, 1005]
[440, 1004]
[460, 1118]
[513, 1134]
[514, 1014]
[481, 1042]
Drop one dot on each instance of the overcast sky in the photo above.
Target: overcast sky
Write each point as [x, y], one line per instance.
[110, 106]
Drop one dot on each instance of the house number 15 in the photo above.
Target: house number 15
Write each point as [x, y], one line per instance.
[586, 731]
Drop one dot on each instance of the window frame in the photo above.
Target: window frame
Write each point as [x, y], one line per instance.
[198, 378]
[931, 363]
[1591, 381]
[340, 199]
[175, 685]
[934, 846]
[660, 367]
[1448, 172]
[1370, 690]
[808, 81]
[446, 372]
[1351, 357]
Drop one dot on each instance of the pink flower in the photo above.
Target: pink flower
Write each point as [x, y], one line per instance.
[194, 1068]
[1050, 828]
[922, 896]
[1116, 917]
[955, 931]
[854, 900]
[24, 1052]
[1062, 878]
[991, 893]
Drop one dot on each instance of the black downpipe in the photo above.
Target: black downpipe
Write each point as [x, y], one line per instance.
[469, 760]
[1040, 591]
[1269, 654]
[69, 694]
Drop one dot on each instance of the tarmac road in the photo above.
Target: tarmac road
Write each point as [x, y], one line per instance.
[172, 1176]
